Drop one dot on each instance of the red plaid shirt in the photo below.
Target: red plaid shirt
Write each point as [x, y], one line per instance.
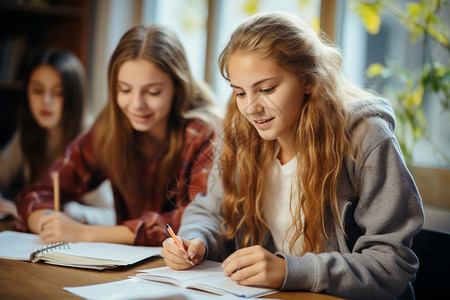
[144, 214]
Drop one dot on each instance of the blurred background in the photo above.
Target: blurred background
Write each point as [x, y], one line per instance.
[398, 48]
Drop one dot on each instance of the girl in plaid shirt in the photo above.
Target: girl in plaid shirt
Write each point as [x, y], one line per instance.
[153, 141]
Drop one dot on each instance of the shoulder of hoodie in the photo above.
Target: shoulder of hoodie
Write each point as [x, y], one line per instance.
[370, 122]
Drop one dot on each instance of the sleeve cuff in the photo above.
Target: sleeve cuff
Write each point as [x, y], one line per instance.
[300, 273]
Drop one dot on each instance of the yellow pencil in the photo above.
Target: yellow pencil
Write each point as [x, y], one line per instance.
[55, 176]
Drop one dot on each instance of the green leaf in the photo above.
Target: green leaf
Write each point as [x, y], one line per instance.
[414, 10]
[374, 70]
[251, 7]
[302, 4]
[368, 13]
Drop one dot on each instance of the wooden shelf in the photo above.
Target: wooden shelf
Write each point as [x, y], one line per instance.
[44, 11]
[13, 85]
[26, 30]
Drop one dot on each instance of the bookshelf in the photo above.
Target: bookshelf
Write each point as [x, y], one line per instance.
[28, 27]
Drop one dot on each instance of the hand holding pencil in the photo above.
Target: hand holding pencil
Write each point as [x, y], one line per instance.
[175, 239]
[53, 225]
[180, 255]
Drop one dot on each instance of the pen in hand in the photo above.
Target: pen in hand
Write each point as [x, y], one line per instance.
[172, 234]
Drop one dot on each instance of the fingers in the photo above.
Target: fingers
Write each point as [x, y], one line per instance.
[49, 228]
[45, 221]
[255, 265]
[55, 227]
[175, 257]
[171, 248]
[239, 260]
[196, 250]
[246, 276]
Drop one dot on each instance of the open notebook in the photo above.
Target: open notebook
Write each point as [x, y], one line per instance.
[30, 247]
[208, 276]
[135, 288]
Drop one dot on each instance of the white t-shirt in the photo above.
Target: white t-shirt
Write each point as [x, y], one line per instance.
[277, 204]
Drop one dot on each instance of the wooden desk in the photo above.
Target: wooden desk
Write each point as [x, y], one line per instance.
[25, 280]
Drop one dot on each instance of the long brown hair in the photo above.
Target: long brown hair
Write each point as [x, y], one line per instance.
[322, 138]
[116, 144]
[33, 138]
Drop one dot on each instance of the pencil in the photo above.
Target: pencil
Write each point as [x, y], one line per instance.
[55, 176]
[172, 234]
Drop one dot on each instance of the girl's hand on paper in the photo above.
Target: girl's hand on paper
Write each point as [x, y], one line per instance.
[255, 265]
[178, 259]
[58, 227]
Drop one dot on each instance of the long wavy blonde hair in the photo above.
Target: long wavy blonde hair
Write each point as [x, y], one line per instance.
[322, 138]
[116, 143]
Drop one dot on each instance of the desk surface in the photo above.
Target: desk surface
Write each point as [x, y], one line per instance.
[25, 280]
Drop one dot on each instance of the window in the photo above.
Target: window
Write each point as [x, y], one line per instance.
[190, 18]
[233, 12]
[204, 27]
[392, 43]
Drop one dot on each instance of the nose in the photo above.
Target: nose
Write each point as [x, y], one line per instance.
[48, 98]
[254, 104]
[137, 100]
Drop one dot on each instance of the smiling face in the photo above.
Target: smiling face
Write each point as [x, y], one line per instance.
[46, 97]
[145, 94]
[267, 95]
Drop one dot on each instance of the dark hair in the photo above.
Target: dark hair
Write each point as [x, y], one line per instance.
[33, 137]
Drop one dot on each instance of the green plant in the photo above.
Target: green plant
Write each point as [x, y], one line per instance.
[410, 88]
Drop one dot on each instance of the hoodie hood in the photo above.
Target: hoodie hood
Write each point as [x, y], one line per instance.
[364, 109]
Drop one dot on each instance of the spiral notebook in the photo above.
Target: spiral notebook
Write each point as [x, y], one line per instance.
[30, 247]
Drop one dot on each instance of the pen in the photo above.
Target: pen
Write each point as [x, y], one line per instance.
[172, 234]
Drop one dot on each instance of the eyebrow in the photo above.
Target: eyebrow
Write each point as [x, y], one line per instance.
[254, 84]
[40, 83]
[147, 85]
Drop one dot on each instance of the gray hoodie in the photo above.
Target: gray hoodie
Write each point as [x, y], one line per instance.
[375, 260]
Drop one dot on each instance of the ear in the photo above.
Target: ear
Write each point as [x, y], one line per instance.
[307, 88]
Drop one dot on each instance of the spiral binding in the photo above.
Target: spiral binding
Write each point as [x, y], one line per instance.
[34, 256]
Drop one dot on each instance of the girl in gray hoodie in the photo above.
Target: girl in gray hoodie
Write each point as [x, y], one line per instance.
[310, 190]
